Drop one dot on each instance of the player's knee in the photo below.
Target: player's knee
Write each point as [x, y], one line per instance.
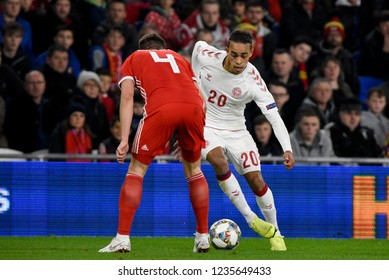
[218, 163]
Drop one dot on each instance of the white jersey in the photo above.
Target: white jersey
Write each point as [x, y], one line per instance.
[227, 94]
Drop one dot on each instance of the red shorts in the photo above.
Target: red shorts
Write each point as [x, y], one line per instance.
[155, 130]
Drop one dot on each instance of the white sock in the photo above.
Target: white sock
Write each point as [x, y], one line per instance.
[268, 208]
[122, 236]
[232, 189]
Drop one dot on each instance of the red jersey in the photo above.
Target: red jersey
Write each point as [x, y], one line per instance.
[165, 85]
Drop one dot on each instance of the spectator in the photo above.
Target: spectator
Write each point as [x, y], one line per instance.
[109, 145]
[87, 93]
[350, 12]
[281, 96]
[282, 70]
[10, 84]
[332, 44]
[64, 37]
[116, 16]
[308, 140]
[375, 49]
[373, 118]
[59, 13]
[238, 13]
[110, 54]
[72, 136]
[12, 53]
[267, 143]
[265, 40]
[207, 16]
[331, 69]
[3, 139]
[164, 17]
[36, 120]
[107, 96]
[10, 13]
[301, 18]
[60, 84]
[349, 138]
[300, 52]
[319, 99]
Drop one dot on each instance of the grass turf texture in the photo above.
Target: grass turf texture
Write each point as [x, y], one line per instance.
[85, 248]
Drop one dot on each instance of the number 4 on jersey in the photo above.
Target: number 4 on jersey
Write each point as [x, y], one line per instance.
[169, 59]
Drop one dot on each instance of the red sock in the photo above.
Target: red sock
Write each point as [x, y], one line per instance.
[263, 191]
[199, 197]
[130, 197]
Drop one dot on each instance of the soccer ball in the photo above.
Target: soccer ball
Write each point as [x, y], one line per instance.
[225, 234]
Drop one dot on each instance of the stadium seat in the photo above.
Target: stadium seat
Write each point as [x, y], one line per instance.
[366, 83]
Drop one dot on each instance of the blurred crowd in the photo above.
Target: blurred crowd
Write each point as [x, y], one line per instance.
[326, 62]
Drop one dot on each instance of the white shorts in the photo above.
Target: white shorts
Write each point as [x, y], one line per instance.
[238, 146]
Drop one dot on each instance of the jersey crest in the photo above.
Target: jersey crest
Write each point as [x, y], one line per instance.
[236, 92]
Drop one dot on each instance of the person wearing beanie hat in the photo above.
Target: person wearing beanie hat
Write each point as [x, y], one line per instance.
[332, 44]
[72, 135]
[334, 26]
[88, 94]
[75, 107]
[88, 76]
[349, 137]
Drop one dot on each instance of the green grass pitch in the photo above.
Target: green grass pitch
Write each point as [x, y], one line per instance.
[169, 248]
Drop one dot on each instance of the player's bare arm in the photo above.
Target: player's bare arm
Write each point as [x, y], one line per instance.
[126, 112]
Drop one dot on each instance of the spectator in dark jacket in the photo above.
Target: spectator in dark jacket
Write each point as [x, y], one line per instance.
[30, 115]
[265, 139]
[349, 138]
[60, 84]
[72, 136]
[10, 83]
[12, 52]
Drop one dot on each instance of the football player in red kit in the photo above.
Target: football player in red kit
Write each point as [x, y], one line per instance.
[173, 104]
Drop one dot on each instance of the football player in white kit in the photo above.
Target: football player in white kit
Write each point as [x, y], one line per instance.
[229, 82]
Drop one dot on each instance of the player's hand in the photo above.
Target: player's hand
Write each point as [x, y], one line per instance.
[177, 151]
[289, 160]
[121, 151]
